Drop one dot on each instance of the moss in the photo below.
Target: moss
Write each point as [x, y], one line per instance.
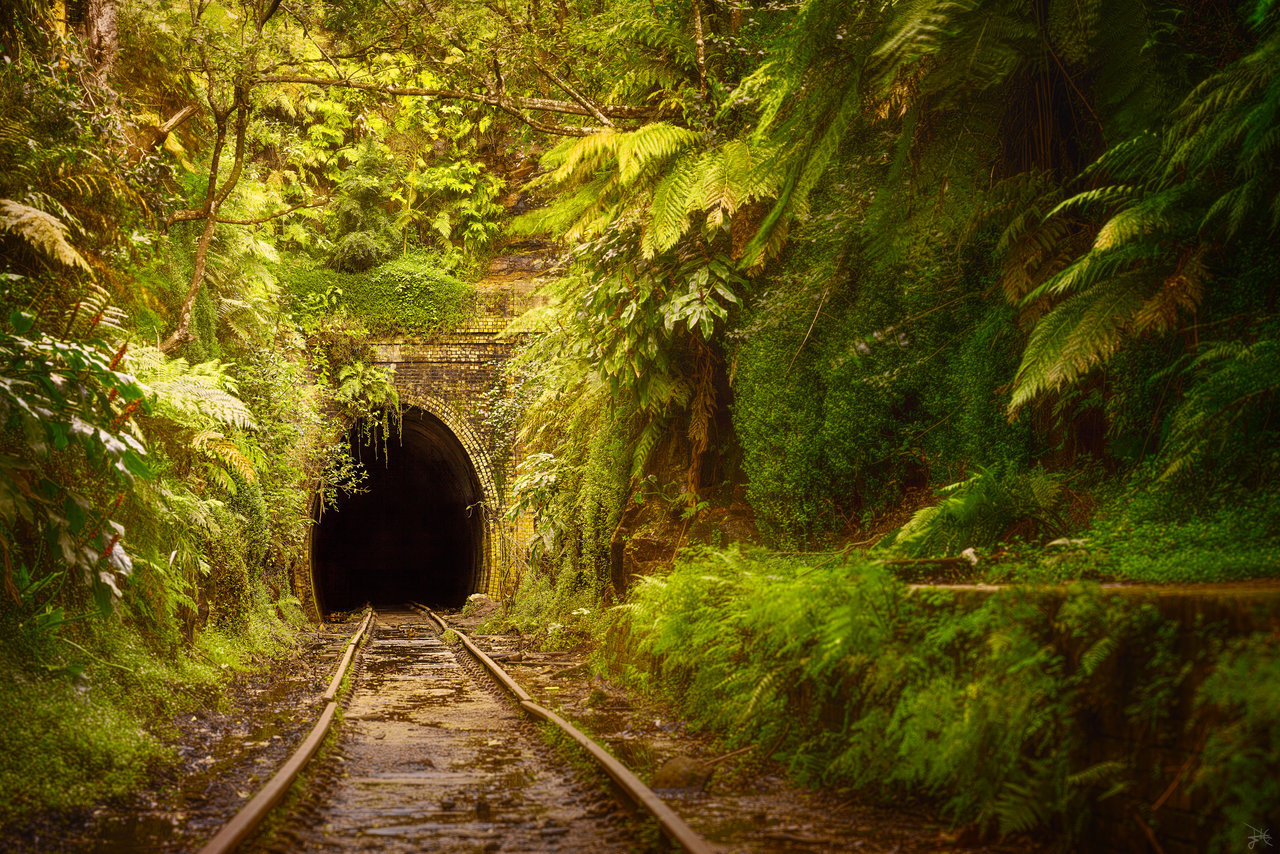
[86, 709]
[415, 294]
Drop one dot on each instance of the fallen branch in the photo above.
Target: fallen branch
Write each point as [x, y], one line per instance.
[961, 562]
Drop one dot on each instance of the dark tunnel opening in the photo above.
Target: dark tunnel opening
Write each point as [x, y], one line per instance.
[412, 533]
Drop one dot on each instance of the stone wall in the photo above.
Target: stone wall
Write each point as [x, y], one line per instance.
[452, 376]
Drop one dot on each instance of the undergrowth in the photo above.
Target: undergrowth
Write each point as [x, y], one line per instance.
[1031, 526]
[976, 704]
[80, 727]
[553, 613]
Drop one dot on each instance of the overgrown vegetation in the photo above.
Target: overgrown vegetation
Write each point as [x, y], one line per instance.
[176, 337]
[995, 262]
[982, 705]
[936, 278]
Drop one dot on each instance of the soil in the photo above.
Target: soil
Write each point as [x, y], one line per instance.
[225, 754]
[741, 803]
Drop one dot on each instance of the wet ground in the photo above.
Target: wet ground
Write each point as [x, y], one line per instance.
[434, 758]
[225, 754]
[746, 804]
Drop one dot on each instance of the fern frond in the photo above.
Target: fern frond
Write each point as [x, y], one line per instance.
[648, 147]
[1077, 336]
[189, 394]
[42, 231]
[644, 445]
[724, 181]
[218, 447]
[673, 201]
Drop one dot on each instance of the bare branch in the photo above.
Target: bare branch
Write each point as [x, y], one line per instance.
[212, 202]
[559, 130]
[613, 111]
[573, 93]
[184, 216]
[270, 216]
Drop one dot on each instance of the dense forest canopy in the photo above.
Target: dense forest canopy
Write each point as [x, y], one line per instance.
[926, 276]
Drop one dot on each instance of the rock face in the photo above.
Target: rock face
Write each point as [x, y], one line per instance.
[479, 605]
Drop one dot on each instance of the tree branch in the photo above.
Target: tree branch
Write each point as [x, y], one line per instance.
[271, 216]
[613, 111]
[559, 130]
[214, 198]
[574, 94]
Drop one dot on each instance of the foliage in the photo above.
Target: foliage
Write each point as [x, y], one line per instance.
[1180, 536]
[414, 294]
[1160, 206]
[152, 506]
[576, 499]
[851, 389]
[1226, 415]
[981, 511]
[1238, 768]
[981, 704]
[68, 464]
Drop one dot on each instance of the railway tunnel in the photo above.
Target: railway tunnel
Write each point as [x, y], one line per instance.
[414, 530]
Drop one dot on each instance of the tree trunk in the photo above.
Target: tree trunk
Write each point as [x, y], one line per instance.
[102, 32]
[209, 211]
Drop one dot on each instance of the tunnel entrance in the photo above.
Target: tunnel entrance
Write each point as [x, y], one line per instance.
[413, 533]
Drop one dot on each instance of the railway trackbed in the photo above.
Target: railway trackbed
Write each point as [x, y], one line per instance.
[439, 754]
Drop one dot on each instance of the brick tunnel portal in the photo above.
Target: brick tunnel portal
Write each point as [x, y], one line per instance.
[413, 532]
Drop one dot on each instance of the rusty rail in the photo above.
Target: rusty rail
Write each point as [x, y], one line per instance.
[672, 825]
[252, 813]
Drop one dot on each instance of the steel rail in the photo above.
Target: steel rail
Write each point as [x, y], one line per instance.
[252, 813]
[671, 824]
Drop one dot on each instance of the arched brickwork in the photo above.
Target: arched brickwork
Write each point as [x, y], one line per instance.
[451, 376]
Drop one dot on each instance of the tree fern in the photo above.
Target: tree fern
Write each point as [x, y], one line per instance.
[41, 231]
[1077, 336]
[195, 396]
[1168, 198]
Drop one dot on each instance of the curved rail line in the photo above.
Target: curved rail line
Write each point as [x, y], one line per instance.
[259, 807]
[247, 820]
[672, 826]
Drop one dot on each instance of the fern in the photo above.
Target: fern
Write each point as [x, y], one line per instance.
[1227, 411]
[978, 511]
[192, 395]
[42, 232]
[229, 455]
[1169, 199]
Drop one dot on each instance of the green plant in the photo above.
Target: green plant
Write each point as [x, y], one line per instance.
[413, 294]
[977, 704]
[1238, 766]
[991, 506]
[68, 463]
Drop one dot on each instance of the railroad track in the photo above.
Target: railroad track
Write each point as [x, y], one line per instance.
[439, 754]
